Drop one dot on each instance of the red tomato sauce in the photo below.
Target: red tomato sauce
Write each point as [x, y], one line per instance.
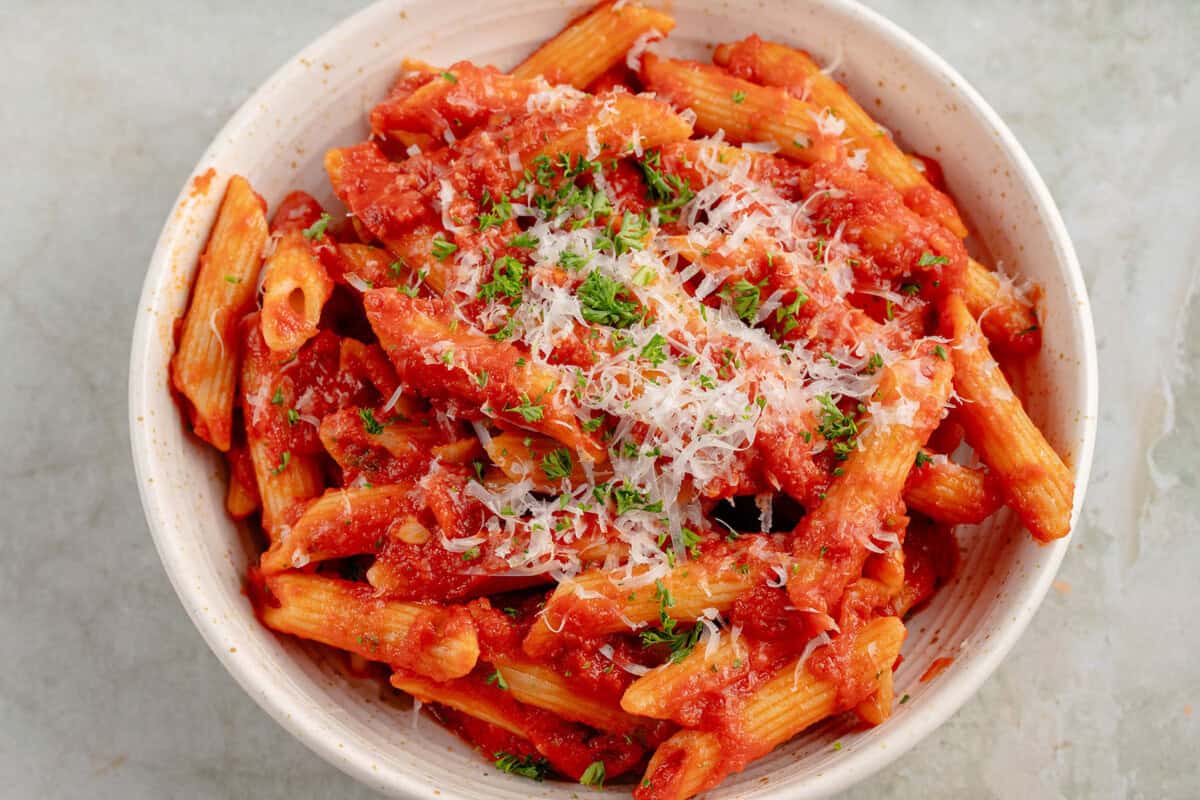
[938, 666]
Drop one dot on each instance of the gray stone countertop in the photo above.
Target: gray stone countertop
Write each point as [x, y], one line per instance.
[108, 692]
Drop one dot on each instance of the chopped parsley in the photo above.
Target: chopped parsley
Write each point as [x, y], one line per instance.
[629, 498]
[929, 259]
[284, 460]
[569, 202]
[508, 280]
[529, 411]
[277, 398]
[415, 289]
[680, 644]
[739, 97]
[499, 211]
[745, 298]
[450, 76]
[557, 464]
[525, 241]
[940, 352]
[370, 424]
[632, 236]
[667, 192]
[498, 679]
[316, 231]
[442, 248]
[570, 260]
[785, 315]
[604, 302]
[922, 459]
[654, 351]
[593, 775]
[838, 428]
[525, 766]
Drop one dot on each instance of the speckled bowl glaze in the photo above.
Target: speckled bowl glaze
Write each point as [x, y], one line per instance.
[319, 99]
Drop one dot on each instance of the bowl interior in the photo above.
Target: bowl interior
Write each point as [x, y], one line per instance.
[319, 100]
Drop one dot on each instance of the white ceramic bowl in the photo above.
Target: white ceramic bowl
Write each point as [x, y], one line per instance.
[318, 100]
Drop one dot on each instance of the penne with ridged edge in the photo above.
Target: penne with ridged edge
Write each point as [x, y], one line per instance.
[594, 602]
[831, 541]
[439, 643]
[949, 493]
[594, 42]
[538, 685]
[692, 761]
[341, 523]
[285, 479]
[204, 368]
[746, 111]
[1035, 481]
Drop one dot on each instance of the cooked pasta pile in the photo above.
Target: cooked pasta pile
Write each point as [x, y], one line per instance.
[626, 410]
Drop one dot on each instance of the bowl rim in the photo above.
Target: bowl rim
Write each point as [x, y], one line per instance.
[315, 728]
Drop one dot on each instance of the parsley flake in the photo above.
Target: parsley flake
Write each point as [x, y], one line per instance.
[316, 231]
[604, 302]
[557, 464]
[525, 766]
[370, 424]
[442, 248]
[594, 774]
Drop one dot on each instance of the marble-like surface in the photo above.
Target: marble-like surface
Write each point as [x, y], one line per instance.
[108, 692]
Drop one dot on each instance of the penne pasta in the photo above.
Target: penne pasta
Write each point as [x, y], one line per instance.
[435, 642]
[596, 603]
[285, 479]
[541, 686]
[665, 692]
[535, 458]
[453, 103]
[491, 707]
[692, 761]
[745, 111]
[594, 42]
[242, 499]
[341, 523]
[831, 541]
[295, 289]
[952, 494]
[204, 368]
[1033, 478]
[476, 368]
[1009, 322]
